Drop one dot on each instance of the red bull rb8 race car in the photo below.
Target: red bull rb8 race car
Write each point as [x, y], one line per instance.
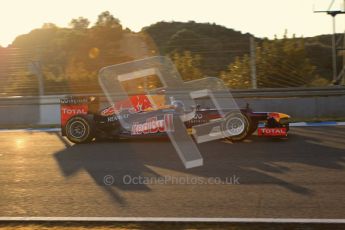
[83, 119]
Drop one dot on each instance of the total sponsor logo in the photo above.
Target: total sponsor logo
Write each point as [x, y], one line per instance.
[73, 111]
[272, 132]
[153, 125]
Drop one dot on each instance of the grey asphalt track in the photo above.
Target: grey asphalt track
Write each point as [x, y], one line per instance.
[42, 174]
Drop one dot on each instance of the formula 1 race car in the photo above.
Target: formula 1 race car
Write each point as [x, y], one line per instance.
[83, 119]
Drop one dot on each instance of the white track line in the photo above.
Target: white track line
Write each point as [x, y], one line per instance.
[296, 124]
[178, 219]
[30, 130]
[316, 124]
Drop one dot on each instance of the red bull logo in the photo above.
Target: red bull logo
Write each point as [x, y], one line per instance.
[108, 111]
[140, 103]
[137, 103]
[153, 125]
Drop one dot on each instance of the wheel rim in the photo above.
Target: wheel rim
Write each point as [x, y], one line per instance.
[77, 129]
[235, 126]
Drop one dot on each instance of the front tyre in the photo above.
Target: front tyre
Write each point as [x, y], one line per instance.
[236, 127]
[80, 129]
[253, 127]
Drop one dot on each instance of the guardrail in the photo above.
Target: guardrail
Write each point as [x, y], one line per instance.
[301, 103]
[237, 93]
[290, 92]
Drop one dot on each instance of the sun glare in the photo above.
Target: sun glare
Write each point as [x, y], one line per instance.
[261, 18]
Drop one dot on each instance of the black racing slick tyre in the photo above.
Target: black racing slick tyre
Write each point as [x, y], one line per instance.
[236, 127]
[80, 129]
[253, 127]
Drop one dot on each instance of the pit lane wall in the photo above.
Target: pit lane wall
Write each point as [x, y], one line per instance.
[299, 103]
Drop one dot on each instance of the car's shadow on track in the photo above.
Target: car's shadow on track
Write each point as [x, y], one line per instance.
[256, 161]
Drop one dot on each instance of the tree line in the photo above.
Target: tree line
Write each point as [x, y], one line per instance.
[70, 58]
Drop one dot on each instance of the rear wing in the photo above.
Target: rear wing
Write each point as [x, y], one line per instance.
[76, 105]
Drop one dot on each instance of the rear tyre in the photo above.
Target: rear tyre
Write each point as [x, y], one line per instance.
[80, 129]
[236, 127]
